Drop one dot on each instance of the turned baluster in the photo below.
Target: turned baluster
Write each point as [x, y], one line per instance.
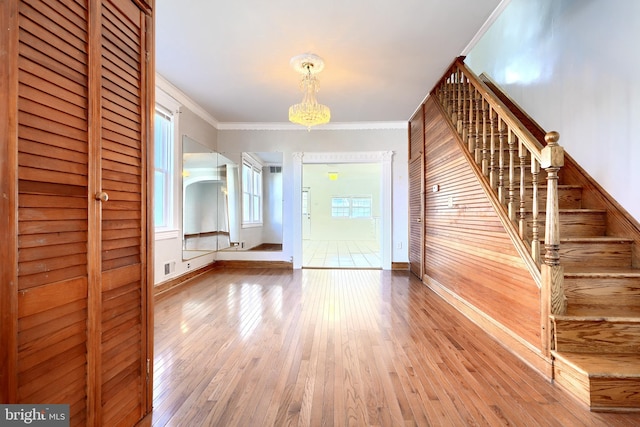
[492, 162]
[460, 99]
[470, 125]
[522, 226]
[552, 161]
[535, 238]
[462, 107]
[511, 140]
[478, 147]
[485, 137]
[501, 160]
[445, 96]
[453, 107]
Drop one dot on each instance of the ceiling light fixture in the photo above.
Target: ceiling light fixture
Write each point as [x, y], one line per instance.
[309, 112]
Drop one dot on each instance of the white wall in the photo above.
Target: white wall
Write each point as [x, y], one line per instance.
[363, 179]
[168, 244]
[324, 141]
[573, 66]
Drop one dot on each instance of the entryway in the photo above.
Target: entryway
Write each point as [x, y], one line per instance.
[342, 204]
[341, 207]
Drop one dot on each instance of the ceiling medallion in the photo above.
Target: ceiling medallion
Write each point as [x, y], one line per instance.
[308, 112]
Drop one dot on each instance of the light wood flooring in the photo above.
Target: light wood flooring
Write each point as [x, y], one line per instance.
[341, 254]
[321, 347]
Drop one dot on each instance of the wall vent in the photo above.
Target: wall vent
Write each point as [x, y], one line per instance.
[169, 267]
[275, 169]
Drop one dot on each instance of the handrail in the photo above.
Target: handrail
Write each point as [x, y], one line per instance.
[530, 141]
[510, 158]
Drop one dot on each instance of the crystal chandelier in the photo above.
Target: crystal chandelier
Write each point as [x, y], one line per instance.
[309, 112]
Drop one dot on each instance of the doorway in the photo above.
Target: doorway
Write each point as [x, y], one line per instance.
[341, 206]
[382, 224]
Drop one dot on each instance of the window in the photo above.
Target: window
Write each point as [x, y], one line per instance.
[163, 169]
[351, 207]
[251, 192]
[340, 207]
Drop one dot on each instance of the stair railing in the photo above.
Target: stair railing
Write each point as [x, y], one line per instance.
[510, 158]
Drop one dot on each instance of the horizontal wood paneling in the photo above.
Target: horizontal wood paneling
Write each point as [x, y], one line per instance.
[416, 191]
[466, 247]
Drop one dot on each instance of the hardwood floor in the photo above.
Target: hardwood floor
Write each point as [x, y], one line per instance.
[257, 347]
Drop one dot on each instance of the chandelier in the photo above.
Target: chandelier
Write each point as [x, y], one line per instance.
[309, 112]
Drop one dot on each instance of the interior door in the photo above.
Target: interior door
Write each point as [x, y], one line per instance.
[124, 360]
[46, 348]
[306, 215]
[416, 193]
[75, 311]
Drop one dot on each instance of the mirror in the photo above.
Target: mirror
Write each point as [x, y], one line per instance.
[205, 223]
[255, 201]
[231, 201]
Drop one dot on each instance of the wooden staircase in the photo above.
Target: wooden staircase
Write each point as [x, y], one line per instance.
[595, 343]
[596, 348]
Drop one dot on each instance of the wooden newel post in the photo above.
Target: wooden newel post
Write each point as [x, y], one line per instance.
[553, 298]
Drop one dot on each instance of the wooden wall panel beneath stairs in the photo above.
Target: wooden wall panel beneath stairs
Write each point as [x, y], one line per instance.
[416, 192]
[467, 250]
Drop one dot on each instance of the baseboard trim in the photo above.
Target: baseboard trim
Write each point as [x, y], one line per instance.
[399, 265]
[164, 288]
[253, 264]
[522, 349]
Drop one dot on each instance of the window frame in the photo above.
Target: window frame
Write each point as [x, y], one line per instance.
[348, 209]
[169, 107]
[252, 192]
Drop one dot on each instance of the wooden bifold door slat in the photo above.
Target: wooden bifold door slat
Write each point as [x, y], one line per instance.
[76, 86]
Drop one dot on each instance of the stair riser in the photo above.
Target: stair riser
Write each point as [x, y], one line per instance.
[600, 394]
[597, 336]
[604, 291]
[625, 392]
[595, 254]
[582, 224]
[570, 198]
[576, 382]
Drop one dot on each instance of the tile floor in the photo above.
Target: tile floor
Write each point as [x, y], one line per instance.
[341, 254]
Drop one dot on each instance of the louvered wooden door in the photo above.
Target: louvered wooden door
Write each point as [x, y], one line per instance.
[123, 225]
[75, 84]
[53, 209]
[416, 193]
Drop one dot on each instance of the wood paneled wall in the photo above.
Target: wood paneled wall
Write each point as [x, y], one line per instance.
[416, 191]
[467, 250]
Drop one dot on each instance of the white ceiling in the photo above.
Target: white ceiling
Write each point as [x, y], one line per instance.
[381, 57]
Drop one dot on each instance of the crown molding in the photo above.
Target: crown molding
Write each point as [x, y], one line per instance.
[167, 87]
[164, 85]
[330, 126]
[345, 157]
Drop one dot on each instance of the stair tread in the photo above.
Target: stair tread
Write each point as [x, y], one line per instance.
[595, 272]
[579, 210]
[597, 239]
[595, 365]
[603, 311]
[610, 316]
[562, 186]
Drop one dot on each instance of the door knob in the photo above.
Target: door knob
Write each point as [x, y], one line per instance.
[102, 196]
